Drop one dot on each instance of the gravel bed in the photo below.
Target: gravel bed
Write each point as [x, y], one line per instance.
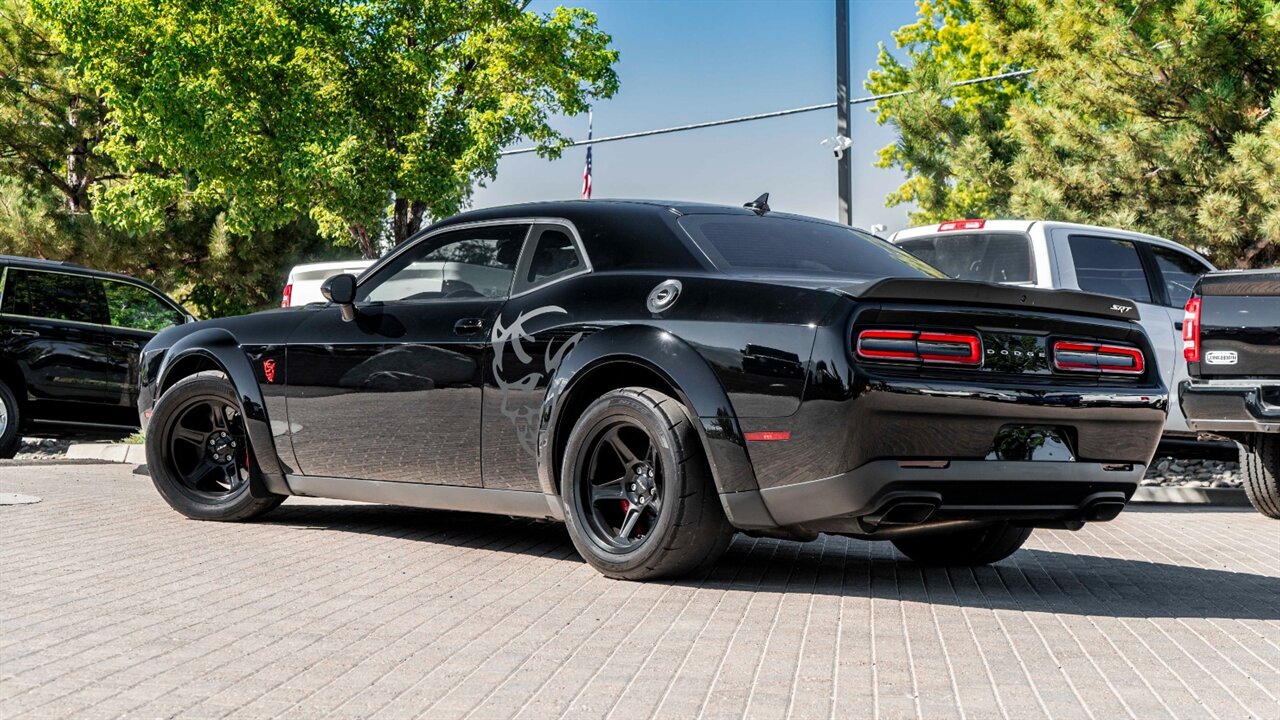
[1171, 472]
[42, 449]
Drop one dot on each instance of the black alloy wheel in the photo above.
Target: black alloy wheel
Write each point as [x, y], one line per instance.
[208, 449]
[638, 495]
[622, 488]
[199, 454]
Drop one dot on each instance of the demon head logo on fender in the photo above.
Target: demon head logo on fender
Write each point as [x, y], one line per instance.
[524, 413]
[269, 369]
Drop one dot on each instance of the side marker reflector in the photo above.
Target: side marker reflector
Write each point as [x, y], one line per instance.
[767, 435]
[931, 464]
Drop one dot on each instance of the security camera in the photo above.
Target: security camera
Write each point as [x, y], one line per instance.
[838, 145]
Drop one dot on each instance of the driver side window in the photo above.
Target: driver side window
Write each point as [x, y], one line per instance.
[473, 263]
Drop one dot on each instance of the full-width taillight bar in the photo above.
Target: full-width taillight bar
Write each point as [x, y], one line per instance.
[1191, 330]
[935, 348]
[1072, 356]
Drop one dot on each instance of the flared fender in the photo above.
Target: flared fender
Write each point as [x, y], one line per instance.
[682, 367]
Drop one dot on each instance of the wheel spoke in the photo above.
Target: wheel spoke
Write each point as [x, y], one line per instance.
[611, 490]
[629, 522]
[619, 446]
[202, 470]
[218, 416]
[186, 434]
[230, 477]
[655, 504]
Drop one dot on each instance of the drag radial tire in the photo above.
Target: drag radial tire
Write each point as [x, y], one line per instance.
[638, 496]
[1260, 466]
[10, 422]
[979, 546]
[198, 453]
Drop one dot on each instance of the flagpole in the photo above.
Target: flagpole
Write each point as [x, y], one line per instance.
[586, 171]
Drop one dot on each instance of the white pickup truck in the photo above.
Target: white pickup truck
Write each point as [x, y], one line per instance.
[1156, 274]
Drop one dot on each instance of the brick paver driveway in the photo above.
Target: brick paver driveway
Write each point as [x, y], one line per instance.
[111, 604]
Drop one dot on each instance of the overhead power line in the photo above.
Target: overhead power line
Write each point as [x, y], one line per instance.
[765, 116]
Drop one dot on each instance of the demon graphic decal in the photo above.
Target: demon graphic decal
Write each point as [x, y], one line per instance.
[524, 413]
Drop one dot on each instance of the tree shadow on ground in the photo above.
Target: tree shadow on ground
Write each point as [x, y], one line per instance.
[1031, 580]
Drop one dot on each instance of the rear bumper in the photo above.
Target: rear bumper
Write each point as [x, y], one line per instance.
[1230, 406]
[882, 493]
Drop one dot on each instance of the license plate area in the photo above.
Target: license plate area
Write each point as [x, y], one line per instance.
[1040, 443]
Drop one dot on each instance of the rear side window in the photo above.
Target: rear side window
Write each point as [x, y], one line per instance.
[1179, 272]
[1109, 266]
[751, 245]
[133, 306]
[54, 296]
[553, 256]
[989, 257]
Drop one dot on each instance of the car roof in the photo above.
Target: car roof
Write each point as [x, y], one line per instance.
[74, 269]
[1026, 225]
[605, 206]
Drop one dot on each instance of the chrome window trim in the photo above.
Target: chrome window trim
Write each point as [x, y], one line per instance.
[532, 222]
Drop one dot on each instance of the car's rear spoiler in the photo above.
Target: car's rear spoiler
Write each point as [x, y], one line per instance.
[965, 292]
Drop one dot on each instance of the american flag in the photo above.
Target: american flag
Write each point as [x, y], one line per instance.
[586, 172]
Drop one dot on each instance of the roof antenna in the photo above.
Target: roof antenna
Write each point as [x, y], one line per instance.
[760, 205]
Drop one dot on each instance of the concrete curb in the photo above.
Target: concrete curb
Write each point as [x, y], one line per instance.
[108, 452]
[1220, 497]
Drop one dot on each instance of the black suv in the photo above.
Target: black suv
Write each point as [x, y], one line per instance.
[69, 342]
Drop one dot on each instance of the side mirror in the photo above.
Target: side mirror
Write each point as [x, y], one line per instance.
[341, 291]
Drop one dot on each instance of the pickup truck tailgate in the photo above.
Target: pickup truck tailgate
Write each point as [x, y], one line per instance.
[1239, 326]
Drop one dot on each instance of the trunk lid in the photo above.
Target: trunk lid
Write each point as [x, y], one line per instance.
[981, 294]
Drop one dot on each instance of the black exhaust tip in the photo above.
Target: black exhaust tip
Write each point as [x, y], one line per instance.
[1102, 507]
[906, 509]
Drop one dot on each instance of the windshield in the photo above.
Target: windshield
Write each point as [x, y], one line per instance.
[765, 245]
[989, 257]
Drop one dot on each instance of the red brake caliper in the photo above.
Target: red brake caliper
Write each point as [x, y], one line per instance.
[625, 507]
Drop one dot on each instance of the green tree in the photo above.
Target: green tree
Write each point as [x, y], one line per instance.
[954, 143]
[1156, 116]
[52, 163]
[367, 116]
[50, 122]
[1160, 116]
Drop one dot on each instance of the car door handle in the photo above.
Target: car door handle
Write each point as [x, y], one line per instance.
[131, 345]
[468, 326]
[25, 333]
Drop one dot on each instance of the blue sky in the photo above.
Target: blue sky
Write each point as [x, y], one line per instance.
[685, 61]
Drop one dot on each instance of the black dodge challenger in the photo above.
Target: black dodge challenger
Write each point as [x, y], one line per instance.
[659, 376]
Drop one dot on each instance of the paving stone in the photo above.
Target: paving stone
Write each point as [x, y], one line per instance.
[112, 605]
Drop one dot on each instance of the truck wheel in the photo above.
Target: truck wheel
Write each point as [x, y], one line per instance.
[10, 422]
[638, 497]
[1260, 466]
[981, 546]
[198, 453]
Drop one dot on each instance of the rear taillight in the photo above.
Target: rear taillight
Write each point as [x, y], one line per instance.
[934, 348]
[287, 297]
[1191, 330]
[1070, 356]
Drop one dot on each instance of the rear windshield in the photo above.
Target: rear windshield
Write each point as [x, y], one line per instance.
[751, 245]
[989, 257]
